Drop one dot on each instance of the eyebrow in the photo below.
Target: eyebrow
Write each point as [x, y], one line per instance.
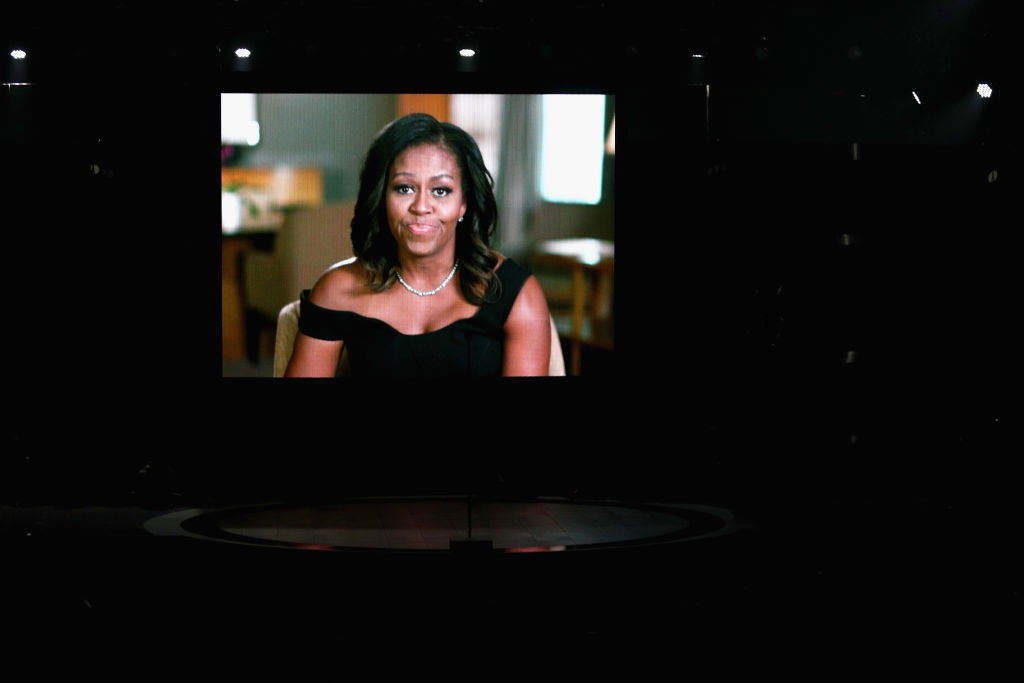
[436, 177]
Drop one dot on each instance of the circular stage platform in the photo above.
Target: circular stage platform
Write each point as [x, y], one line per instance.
[440, 524]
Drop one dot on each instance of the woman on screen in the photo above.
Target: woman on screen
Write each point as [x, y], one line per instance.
[425, 295]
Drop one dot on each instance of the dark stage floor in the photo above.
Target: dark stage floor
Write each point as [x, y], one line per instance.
[843, 588]
[451, 524]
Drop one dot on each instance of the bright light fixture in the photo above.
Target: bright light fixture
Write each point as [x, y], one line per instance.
[984, 90]
[242, 53]
[467, 52]
[18, 54]
[916, 98]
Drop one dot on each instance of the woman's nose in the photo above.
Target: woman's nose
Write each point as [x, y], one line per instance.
[421, 204]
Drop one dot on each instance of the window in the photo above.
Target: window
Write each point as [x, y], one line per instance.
[238, 123]
[572, 148]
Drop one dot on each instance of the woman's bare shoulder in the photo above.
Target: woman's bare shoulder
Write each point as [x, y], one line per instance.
[337, 286]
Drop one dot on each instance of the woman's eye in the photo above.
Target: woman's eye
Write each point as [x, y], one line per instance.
[437, 191]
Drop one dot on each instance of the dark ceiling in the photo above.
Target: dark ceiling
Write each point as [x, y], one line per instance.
[849, 68]
[617, 42]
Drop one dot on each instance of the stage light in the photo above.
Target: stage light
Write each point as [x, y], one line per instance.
[18, 54]
[916, 98]
[243, 53]
[984, 90]
[467, 61]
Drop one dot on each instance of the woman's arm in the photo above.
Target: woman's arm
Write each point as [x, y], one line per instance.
[313, 357]
[528, 333]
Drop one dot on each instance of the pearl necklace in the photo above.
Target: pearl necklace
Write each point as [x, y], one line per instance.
[435, 290]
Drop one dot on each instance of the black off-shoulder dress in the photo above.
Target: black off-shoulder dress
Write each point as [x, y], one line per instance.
[469, 347]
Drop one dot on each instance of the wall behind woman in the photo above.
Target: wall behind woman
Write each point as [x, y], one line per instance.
[329, 131]
[527, 217]
[553, 220]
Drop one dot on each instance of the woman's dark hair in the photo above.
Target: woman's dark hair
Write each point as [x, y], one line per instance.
[372, 241]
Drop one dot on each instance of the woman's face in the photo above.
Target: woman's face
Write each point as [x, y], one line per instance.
[425, 201]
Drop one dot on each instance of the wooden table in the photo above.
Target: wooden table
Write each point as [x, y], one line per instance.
[592, 264]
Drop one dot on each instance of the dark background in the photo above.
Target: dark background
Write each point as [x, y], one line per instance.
[815, 305]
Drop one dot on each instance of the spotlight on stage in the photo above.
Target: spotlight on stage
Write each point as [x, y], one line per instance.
[985, 90]
[17, 69]
[469, 55]
[239, 57]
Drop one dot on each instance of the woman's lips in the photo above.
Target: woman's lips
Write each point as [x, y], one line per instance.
[420, 228]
